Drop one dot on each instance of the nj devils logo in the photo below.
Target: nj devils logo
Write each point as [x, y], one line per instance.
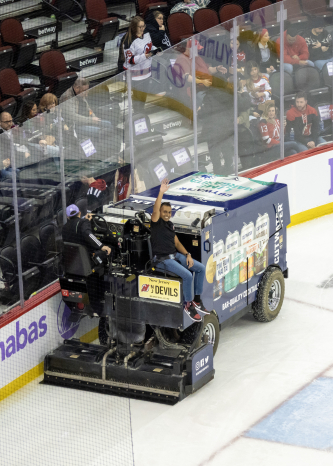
[307, 127]
[148, 47]
[145, 287]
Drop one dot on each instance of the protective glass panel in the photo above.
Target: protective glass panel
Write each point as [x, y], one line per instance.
[308, 82]
[258, 68]
[162, 118]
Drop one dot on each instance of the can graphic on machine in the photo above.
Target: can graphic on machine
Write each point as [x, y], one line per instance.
[261, 256]
[246, 267]
[218, 250]
[232, 243]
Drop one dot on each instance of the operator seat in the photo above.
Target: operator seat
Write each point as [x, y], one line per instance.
[76, 260]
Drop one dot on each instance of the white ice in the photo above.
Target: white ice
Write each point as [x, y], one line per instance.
[258, 366]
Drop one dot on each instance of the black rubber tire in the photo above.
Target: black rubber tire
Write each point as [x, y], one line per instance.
[211, 325]
[269, 282]
[102, 331]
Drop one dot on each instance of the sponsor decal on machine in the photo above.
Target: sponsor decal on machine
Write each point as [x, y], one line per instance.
[172, 124]
[209, 187]
[159, 288]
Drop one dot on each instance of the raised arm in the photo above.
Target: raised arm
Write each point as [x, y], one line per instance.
[156, 211]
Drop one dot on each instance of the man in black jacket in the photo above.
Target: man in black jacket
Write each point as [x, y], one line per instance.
[78, 230]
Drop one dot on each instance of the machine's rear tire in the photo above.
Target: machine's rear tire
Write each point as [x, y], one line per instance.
[103, 327]
[270, 295]
[212, 330]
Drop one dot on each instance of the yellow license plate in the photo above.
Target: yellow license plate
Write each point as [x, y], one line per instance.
[159, 288]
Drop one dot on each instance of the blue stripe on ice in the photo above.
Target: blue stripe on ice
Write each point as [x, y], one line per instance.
[306, 420]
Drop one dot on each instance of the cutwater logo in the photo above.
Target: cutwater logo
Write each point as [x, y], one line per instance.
[66, 328]
[22, 336]
[172, 124]
[88, 61]
[46, 30]
[6, 1]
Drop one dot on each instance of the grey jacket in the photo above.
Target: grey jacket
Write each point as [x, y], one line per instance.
[70, 108]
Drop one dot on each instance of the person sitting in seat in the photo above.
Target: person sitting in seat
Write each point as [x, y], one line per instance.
[78, 230]
[171, 255]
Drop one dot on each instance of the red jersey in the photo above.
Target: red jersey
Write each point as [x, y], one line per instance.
[270, 132]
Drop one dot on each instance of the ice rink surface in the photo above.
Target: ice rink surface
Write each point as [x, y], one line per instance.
[271, 402]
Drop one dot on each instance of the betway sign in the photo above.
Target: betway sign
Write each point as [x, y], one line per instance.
[47, 30]
[84, 62]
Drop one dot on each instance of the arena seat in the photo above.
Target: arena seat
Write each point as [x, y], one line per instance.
[101, 27]
[47, 238]
[180, 160]
[6, 55]
[316, 8]
[294, 11]
[289, 87]
[24, 46]
[327, 75]
[204, 19]
[143, 6]
[54, 72]
[307, 78]
[180, 27]
[11, 87]
[229, 11]
[8, 105]
[82, 204]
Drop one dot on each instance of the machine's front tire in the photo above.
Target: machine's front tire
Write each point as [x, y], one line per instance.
[103, 327]
[212, 330]
[270, 295]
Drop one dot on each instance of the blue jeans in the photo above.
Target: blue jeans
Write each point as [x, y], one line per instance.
[6, 173]
[320, 63]
[185, 273]
[302, 147]
[290, 68]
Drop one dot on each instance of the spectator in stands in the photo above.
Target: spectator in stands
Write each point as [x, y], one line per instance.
[270, 128]
[6, 123]
[138, 50]
[319, 43]
[257, 85]
[203, 73]
[77, 111]
[35, 132]
[265, 53]
[97, 193]
[189, 6]
[241, 59]
[296, 52]
[155, 27]
[303, 121]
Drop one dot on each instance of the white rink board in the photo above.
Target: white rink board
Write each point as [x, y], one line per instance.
[309, 181]
[44, 326]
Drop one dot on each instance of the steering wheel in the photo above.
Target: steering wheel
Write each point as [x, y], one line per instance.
[98, 227]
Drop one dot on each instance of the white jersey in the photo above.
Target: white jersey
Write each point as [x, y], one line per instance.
[135, 58]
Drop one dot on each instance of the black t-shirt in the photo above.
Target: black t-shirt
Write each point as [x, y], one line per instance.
[162, 238]
[78, 230]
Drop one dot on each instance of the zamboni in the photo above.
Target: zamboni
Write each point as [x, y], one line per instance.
[149, 347]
